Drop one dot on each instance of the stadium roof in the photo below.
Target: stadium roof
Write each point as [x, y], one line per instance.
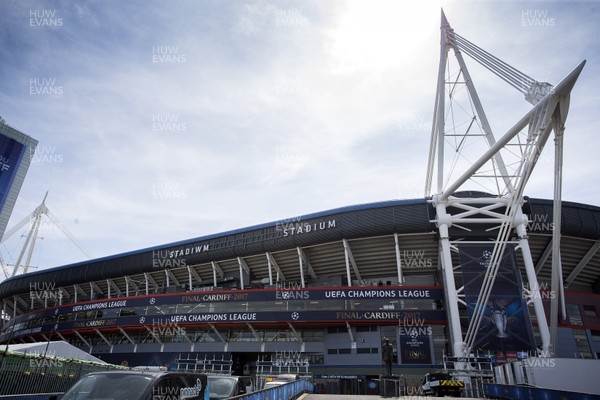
[369, 225]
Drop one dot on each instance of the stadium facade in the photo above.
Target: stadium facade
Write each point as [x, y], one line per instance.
[319, 291]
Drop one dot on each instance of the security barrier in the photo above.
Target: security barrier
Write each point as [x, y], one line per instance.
[26, 374]
[32, 374]
[286, 391]
[517, 392]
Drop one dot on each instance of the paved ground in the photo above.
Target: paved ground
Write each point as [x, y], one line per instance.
[349, 397]
[337, 397]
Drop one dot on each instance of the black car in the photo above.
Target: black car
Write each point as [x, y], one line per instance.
[139, 385]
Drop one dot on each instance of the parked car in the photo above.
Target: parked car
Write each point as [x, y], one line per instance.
[225, 386]
[139, 385]
[287, 377]
[273, 384]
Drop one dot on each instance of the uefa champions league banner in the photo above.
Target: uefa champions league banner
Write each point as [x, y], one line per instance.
[506, 324]
[171, 320]
[233, 296]
[11, 153]
[415, 346]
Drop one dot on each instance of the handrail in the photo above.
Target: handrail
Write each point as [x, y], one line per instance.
[286, 391]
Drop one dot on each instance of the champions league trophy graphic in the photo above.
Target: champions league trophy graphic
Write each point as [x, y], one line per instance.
[499, 319]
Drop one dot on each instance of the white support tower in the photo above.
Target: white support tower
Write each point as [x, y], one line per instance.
[465, 155]
[34, 219]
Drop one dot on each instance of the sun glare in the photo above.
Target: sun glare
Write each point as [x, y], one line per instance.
[381, 34]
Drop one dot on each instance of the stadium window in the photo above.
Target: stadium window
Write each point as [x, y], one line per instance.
[363, 351]
[581, 341]
[574, 314]
[589, 311]
[363, 329]
[374, 350]
[346, 350]
[313, 335]
[332, 351]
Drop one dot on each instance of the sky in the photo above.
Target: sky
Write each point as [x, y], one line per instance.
[164, 121]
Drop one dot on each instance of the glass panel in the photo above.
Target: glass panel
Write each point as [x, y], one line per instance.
[583, 347]
[574, 314]
[589, 311]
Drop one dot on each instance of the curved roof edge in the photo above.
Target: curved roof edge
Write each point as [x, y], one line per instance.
[362, 220]
[330, 212]
[578, 220]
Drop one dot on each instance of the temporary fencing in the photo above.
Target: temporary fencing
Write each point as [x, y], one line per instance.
[33, 373]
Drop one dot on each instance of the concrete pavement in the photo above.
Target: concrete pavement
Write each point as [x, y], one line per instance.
[360, 397]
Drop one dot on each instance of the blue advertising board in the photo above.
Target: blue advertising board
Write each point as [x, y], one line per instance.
[415, 346]
[11, 153]
[506, 325]
[15, 148]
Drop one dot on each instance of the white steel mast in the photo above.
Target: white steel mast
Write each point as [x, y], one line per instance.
[502, 167]
[35, 220]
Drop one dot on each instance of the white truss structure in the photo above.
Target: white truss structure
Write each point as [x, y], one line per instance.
[34, 220]
[500, 167]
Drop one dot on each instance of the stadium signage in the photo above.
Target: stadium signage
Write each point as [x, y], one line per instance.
[4, 164]
[100, 306]
[300, 228]
[29, 331]
[428, 316]
[374, 315]
[186, 251]
[415, 345]
[213, 297]
[276, 294]
[214, 317]
[380, 294]
[94, 323]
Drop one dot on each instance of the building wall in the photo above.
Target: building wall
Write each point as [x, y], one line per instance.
[339, 349]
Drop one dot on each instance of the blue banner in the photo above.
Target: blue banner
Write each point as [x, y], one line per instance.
[11, 153]
[273, 294]
[171, 321]
[506, 325]
[415, 347]
[132, 310]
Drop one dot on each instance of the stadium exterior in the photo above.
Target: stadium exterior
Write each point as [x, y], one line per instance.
[319, 291]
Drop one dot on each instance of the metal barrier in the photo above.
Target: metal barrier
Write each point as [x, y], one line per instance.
[389, 386]
[286, 391]
[32, 374]
[41, 396]
[514, 392]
